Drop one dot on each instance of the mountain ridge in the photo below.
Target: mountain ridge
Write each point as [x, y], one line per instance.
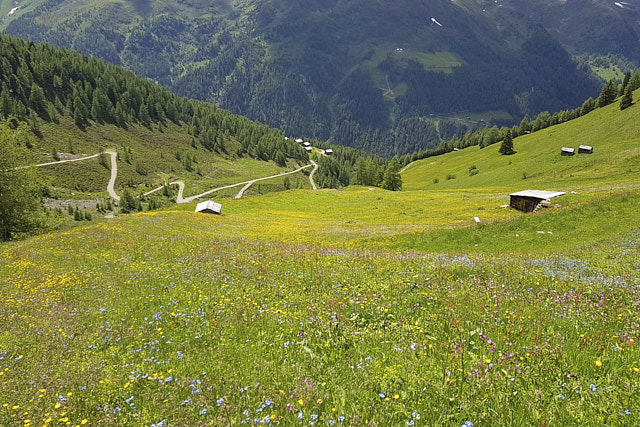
[365, 74]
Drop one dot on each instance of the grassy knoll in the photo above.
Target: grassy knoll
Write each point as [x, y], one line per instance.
[614, 134]
[162, 317]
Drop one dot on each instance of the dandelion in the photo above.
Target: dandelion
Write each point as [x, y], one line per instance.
[598, 363]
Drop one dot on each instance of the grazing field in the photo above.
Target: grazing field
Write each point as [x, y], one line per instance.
[171, 318]
[355, 307]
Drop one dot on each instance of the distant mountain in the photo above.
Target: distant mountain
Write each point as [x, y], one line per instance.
[391, 77]
[595, 27]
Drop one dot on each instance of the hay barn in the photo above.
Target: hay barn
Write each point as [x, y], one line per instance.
[585, 149]
[209, 207]
[530, 200]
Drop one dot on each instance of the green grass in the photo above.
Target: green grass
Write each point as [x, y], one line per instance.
[160, 316]
[150, 151]
[437, 62]
[614, 134]
[349, 307]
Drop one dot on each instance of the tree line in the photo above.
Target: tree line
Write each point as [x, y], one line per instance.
[488, 136]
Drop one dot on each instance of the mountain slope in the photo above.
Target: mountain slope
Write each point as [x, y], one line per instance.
[391, 77]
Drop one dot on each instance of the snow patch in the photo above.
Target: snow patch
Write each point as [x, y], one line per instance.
[12, 11]
[620, 5]
[435, 21]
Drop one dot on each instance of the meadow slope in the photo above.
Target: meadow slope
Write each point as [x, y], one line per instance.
[346, 307]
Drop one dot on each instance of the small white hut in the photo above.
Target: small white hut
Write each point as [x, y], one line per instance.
[210, 207]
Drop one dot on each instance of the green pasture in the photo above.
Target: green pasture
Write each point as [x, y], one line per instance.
[537, 164]
[178, 318]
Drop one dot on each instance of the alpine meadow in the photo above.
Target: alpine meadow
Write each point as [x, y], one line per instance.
[451, 250]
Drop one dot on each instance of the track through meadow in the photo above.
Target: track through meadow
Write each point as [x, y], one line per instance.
[180, 199]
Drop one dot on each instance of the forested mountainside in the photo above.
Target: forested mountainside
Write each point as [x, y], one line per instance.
[589, 27]
[392, 77]
[41, 84]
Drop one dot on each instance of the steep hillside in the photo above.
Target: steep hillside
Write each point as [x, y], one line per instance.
[79, 111]
[391, 77]
[613, 134]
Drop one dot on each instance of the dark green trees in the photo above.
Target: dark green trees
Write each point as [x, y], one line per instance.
[20, 193]
[392, 179]
[506, 148]
[627, 99]
[608, 94]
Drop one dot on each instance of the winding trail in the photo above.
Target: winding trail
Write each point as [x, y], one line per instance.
[93, 156]
[249, 183]
[114, 174]
[179, 198]
[315, 168]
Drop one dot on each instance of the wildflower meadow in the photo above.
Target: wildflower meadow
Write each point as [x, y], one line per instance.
[162, 319]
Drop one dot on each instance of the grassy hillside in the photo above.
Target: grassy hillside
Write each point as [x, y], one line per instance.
[164, 318]
[614, 135]
[148, 159]
[342, 307]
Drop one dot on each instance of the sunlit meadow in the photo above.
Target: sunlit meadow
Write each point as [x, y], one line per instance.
[168, 319]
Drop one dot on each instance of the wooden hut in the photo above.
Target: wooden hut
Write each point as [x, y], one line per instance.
[530, 200]
[566, 151]
[209, 207]
[585, 149]
[328, 151]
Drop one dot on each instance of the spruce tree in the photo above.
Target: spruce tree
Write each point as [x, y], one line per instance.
[627, 99]
[392, 179]
[506, 148]
[625, 82]
[587, 106]
[608, 94]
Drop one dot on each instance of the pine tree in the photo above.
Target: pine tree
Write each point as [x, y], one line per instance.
[37, 99]
[635, 81]
[625, 82]
[127, 202]
[80, 112]
[506, 148]
[392, 179]
[608, 94]
[627, 99]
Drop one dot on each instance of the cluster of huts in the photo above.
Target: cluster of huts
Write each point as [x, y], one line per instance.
[308, 148]
[583, 149]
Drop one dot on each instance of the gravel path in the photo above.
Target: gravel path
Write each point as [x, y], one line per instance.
[179, 199]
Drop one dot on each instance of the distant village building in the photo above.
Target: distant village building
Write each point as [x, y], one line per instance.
[209, 207]
[306, 144]
[299, 141]
[308, 149]
[328, 151]
[566, 151]
[531, 200]
[585, 149]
